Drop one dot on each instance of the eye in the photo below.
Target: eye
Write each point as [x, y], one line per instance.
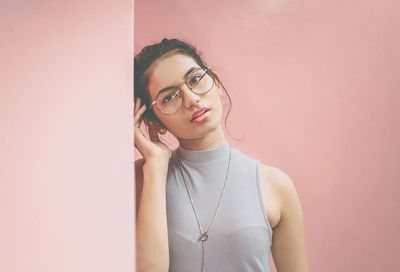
[167, 98]
[194, 80]
[170, 96]
[196, 77]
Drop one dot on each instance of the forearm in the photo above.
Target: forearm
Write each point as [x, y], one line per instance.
[152, 252]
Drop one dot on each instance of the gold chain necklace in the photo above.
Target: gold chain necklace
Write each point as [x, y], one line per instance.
[204, 235]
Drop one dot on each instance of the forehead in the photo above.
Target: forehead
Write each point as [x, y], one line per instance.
[168, 71]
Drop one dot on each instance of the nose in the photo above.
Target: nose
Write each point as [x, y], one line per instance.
[190, 98]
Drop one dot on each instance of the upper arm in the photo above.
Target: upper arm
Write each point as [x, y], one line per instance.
[288, 245]
[138, 181]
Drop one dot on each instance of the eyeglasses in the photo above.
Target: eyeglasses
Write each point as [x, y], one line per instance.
[169, 101]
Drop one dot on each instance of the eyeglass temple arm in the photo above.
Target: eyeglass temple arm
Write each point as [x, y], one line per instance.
[152, 103]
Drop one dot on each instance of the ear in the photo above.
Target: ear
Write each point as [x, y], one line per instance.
[162, 131]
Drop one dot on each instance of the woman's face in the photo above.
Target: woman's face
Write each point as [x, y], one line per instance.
[170, 71]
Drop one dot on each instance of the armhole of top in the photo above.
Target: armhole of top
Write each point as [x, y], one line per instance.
[270, 231]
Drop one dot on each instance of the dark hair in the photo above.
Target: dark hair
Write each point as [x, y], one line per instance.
[151, 53]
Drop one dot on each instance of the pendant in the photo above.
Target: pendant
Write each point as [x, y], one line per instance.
[203, 237]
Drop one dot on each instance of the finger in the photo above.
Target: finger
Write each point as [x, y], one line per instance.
[140, 141]
[140, 138]
[139, 113]
[139, 109]
[137, 104]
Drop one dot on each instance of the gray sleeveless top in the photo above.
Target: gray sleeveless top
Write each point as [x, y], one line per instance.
[240, 237]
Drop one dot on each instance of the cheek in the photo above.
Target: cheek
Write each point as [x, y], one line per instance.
[220, 112]
[218, 105]
[165, 120]
[174, 122]
[216, 111]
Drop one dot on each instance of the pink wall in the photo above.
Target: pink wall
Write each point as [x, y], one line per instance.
[66, 147]
[315, 89]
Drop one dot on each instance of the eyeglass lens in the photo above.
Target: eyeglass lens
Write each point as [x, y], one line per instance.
[170, 101]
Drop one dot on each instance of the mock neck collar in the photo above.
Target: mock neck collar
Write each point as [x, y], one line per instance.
[205, 155]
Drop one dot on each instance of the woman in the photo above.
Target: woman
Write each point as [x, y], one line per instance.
[204, 206]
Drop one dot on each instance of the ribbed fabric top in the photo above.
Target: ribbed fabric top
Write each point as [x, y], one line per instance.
[207, 155]
[240, 237]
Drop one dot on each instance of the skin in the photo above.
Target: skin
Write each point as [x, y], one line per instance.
[281, 201]
[169, 71]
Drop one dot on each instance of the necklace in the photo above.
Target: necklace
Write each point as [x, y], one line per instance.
[204, 235]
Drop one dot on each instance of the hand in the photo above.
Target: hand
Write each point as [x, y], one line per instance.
[152, 149]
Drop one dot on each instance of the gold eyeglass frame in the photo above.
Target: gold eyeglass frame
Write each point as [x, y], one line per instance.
[207, 69]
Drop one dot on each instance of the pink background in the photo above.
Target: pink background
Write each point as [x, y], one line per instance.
[66, 145]
[315, 89]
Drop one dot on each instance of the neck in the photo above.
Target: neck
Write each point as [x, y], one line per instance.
[213, 139]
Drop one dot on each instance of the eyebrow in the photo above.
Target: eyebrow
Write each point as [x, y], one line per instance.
[184, 76]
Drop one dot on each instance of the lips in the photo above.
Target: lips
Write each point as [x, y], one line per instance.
[199, 112]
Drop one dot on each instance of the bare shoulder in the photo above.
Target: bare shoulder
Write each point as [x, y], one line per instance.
[278, 191]
[288, 245]
[277, 178]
